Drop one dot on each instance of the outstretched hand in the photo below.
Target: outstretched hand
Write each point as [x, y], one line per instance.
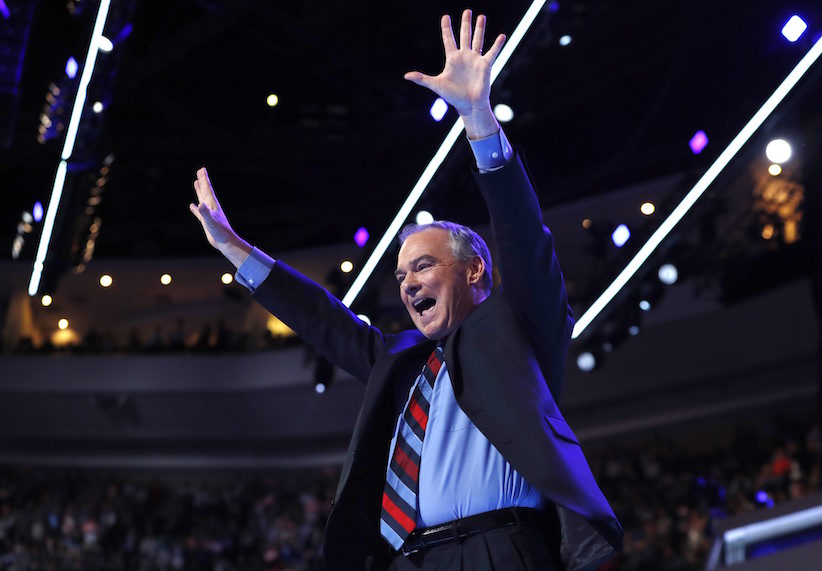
[465, 81]
[215, 224]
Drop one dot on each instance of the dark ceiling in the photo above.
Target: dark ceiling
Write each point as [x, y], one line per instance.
[350, 136]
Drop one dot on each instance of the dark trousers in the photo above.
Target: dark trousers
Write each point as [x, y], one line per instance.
[516, 548]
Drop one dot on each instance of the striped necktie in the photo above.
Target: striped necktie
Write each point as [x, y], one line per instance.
[399, 500]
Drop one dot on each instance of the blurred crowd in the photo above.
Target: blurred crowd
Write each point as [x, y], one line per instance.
[668, 495]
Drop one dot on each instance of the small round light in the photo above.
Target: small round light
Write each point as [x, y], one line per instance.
[364, 318]
[104, 44]
[668, 274]
[503, 112]
[774, 170]
[346, 266]
[320, 388]
[778, 151]
[586, 223]
[424, 217]
[586, 361]
[97, 107]
[768, 231]
[272, 100]
[226, 278]
[63, 324]
[46, 300]
[565, 40]
[647, 208]
[645, 305]
[106, 280]
[165, 279]
[633, 330]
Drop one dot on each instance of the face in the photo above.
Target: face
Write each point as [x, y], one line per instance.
[438, 290]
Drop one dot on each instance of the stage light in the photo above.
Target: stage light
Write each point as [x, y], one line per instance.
[71, 67]
[226, 278]
[778, 151]
[698, 142]
[685, 205]
[620, 235]
[438, 109]
[647, 208]
[46, 300]
[668, 274]
[424, 217]
[165, 279]
[794, 28]
[503, 112]
[364, 318]
[97, 107]
[63, 324]
[768, 232]
[104, 44]
[633, 330]
[106, 280]
[645, 305]
[586, 361]
[565, 40]
[361, 236]
[586, 223]
[774, 170]
[319, 387]
[346, 267]
[272, 100]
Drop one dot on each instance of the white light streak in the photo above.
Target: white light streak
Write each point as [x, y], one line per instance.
[701, 185]
[427, 174]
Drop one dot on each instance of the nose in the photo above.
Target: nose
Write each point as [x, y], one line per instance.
[410, 284]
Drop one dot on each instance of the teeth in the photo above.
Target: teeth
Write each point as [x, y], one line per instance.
[423, 304]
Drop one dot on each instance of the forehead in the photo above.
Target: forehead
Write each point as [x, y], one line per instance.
[434, 242]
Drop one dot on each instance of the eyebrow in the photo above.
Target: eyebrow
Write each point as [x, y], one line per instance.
[398, 272]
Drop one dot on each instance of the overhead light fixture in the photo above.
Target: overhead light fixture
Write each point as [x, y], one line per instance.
[668, 274]
[272, 100]
[165, 279]
[63, 324]
[565, 40]
[794, 28]
[424, 217]
[46, 300]
[647, 208]
[97, 107]
[699, 188]
[503, 113]
[429, 171]
[104, 44]
[620, 235]
[774, 170]
[438, 109]
[106, 280]
[778, 151]
[346, 266]
[226, 278]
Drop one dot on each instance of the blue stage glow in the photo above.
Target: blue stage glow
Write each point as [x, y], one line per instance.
[438, 109]
[794, 28]
[71, 67]
[124, 33]
[361, 236]
[37, 211]
[4, 10]
[620, 235]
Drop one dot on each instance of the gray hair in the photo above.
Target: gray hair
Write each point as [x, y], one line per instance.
[465, 243]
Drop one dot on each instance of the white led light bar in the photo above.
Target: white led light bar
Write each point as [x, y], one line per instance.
[68, 147]
[436, 161]
[701, 185]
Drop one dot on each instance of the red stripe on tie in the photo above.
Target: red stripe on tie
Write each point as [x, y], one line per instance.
[406, 522]
[434, 364]
[418, 413]
[406, 463]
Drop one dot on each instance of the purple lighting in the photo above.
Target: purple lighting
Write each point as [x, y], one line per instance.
[37, 211]
[71, 67]
[698, 142]
[4, 10]
[361, 237]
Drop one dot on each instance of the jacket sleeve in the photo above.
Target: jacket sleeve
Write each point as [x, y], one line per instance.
[532, 282]
[321, 320]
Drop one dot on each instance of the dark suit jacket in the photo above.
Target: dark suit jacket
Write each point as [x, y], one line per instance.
[506, 364]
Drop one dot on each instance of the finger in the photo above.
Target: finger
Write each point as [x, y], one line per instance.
[206, 190]
[493, 51]
[479, 34]
[465, 30]
[193, 209]
[419, 78]
[448, 41]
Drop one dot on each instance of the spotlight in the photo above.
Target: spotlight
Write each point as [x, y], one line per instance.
[586, 361]
[503, 112]
[778, 151]
[104, 44]
[644, 305]
[71, 68]
[97, 107]
[620, 235]
[668, 274]
[698, 142]
[165, 279]
[63, 324]
[647, 208]
[565, 40]
[319, 387]
[106, 280]
[424, 217]
[633, 330]
[361, 236]
[272, 100]
[226, 278]
[774, 170]
[794, 28]
[346, 266]
[438, 109]
[364, 318]
[46, 300]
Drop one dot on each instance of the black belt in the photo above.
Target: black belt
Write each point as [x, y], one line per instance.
[460, 529]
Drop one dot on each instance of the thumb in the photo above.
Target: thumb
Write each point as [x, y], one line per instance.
[418, 78]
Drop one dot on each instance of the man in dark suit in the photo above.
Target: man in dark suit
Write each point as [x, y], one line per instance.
[460, 458]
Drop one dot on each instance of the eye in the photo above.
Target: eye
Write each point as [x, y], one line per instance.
[424, 266]
[400, 278]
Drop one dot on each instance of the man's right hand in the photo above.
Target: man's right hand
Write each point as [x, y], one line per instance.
[215, 224]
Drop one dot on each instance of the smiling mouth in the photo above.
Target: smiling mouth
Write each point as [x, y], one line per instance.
[421, 305]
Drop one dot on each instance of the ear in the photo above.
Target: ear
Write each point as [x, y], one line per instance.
[476, 269]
